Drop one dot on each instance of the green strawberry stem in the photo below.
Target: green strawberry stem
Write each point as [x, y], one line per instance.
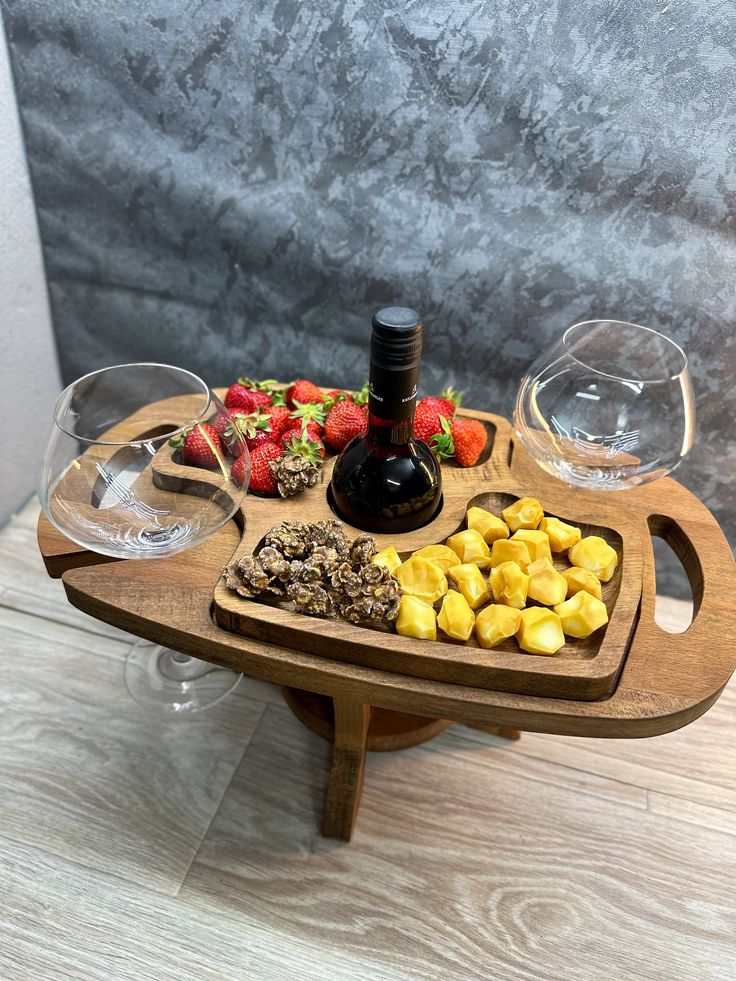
[310, 412]
[442, 444]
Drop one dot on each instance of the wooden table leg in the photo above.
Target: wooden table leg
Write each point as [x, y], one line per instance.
[348, 763]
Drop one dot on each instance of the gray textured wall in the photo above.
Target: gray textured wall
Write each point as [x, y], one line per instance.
[235, 186]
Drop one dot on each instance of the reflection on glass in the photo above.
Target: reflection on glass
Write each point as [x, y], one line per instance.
[608, 407]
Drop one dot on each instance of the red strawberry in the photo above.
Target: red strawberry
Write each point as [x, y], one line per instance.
[256, 428]
[338, 395]
[239, 397]
[298, 427]
[449, 402]
[261, 397]
[465, 439]
[262, 481]
[427, 419]
[469, 437]
[224, 424]
[303, 444]
[240, 469]
[280, 418]
[345, 420]
[303, 391]
[200, 447]
[310, 414]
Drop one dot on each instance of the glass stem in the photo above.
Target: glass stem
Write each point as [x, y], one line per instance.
[182, 667]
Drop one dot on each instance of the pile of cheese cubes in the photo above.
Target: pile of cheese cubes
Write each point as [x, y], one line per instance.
[518, 550]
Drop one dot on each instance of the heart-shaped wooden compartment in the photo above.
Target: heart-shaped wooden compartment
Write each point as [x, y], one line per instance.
[582, 669]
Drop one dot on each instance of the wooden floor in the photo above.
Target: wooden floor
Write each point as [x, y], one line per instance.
[135, 848]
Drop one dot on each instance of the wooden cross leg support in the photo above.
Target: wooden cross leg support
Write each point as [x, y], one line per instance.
[348, 765]
[355, 728]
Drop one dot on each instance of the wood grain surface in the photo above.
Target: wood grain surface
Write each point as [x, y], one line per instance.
[487, 872]
[581, 669]
[668, 680]
[550, 857]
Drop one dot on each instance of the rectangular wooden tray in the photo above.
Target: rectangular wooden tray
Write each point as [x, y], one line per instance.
[581, 670]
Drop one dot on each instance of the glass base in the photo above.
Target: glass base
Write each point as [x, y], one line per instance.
[175, 684]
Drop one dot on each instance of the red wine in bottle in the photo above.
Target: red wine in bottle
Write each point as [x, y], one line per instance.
[387, 481]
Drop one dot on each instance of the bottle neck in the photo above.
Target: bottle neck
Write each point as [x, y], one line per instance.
[392, 398]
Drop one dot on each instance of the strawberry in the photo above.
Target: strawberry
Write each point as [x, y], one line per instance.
[469, 437]
[338, 395]
[255, 428]
[303, 391]
[298, 427]
[344, 422]
[449, 402]
[310, 413]
[280, 418]
[361, 396]
[200, 447]
[304, 444]
[260, 392]
[239, 397]
[262, 481]
[225, 426]
[427, 419]
[240, 469]
[465, 439]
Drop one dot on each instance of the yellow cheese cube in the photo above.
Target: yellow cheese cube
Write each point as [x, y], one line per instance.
[509, 585]
[540, 631]
[561, 535]
[582, 614]
[510, 550]
[536, 542]
[595, 555]
[389, 558]
[578, 579]
[471, 584]
[423, 579]
[456, 618]
[546, 585]
[495, 624]
[416, 619]
[441, 555]
[525, 513]
[489, 526]
[470, 546]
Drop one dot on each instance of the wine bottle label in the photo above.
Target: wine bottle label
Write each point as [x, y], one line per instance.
[392, 393]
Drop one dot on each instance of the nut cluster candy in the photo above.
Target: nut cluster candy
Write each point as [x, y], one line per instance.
[318, 569]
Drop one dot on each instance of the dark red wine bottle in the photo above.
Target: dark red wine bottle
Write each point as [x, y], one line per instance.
[387, 481]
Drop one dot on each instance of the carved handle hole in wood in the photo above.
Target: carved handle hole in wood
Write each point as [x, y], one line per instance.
[674, 552]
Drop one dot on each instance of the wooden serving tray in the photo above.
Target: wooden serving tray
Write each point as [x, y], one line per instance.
[581, 670]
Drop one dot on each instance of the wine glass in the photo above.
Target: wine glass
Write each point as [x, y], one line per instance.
[115, 480]
[607, 407]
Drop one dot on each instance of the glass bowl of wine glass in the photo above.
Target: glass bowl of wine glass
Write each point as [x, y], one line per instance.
[143, 462]
[114, 479]
[607, 407]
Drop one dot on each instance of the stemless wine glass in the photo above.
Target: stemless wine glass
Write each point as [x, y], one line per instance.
[114, 481]
[608, 407]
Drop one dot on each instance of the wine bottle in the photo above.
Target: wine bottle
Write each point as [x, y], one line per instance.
[387, 481]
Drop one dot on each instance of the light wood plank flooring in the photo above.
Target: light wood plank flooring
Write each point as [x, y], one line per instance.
[139, 848]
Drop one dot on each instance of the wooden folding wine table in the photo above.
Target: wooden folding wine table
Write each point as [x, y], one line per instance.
[373, 691]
